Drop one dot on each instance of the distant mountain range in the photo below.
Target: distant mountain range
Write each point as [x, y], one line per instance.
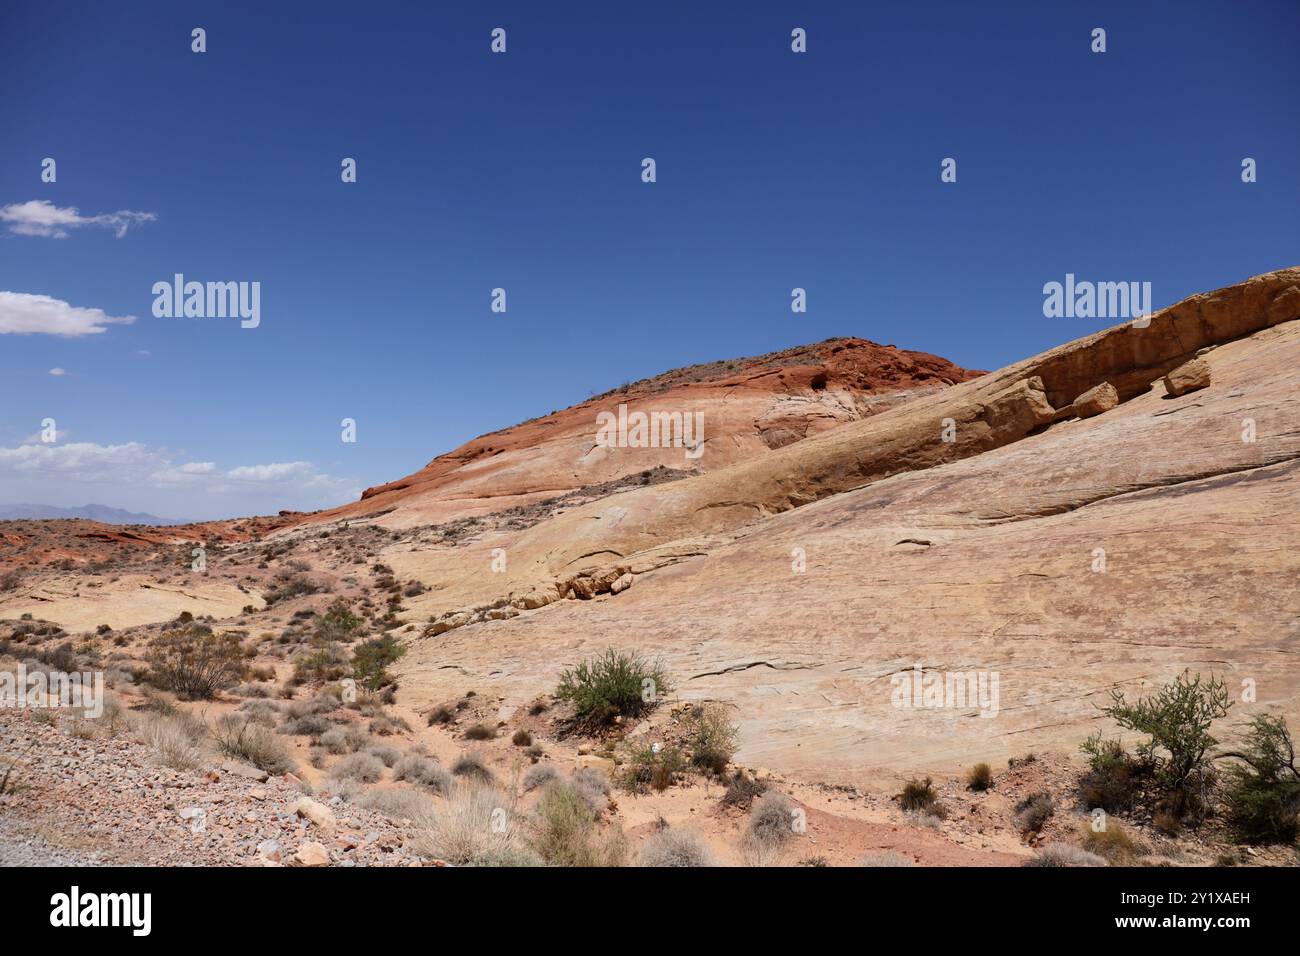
[90, 512]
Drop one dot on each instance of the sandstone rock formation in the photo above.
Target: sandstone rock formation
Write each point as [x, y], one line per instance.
[963, 531]
[751, 406]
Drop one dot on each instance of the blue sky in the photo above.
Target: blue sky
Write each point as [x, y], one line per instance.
[522, 171]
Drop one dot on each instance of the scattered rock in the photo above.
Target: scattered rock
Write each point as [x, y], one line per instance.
[1098, 399]
[1188, 377]
[311, 854]
[246, 771]
[316, 813]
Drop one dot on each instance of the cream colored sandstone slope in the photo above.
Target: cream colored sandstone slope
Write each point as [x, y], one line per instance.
[971, 555]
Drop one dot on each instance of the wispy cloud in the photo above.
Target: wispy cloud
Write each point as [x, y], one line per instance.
[134, 464]
[25, 314]
[58, 372]
[40, 217]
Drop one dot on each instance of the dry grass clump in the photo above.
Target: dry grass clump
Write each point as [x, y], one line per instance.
[475, 826]
[308, 725]
[712, 737]
[245, 739]
[1062, 854]
[424, 771]
[344, 739]
[176, 737]
[400, 803]
[566, 831]
[676, 846]
[1034, 811]
[742, 790]
[359, 766]
[389, 755]
[593, 786]
[474, 767]
[771, 825]
[980, 778]
[480, 732]
[1113, 843]
[385, 725]
[522, 738]
[539, 775]
[886, 858]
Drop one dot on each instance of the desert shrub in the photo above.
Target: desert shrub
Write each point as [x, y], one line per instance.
[252, 742]
[741, 790]
[193, 662]
[308, 725]
[175, 736]
[371, 659]
[1177, 722]
[10, 581]
[344, 738]
[918, 796]
[385, 725]
[593, 785]
[1113, 843]
[885, 858]
[711, 737]
[676, 846]
[522, 738]
[400, 803]
[1034, 811]
[480, 732]
[262, 711]
[771, 825]
[474, 824]
[388, 755]
[1111, 781]
[1262, 792]
[1062, 854]
[359, 766]
[440, 715]
[289, 585]
[566, 832]
[614, 684]
[325, 663]
[654, 770]
[474, 767]
[540, 775]
[338, 623]
[980, 777]
[424, 771]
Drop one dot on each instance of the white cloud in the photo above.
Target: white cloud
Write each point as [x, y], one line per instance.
[134, 465]
[24, 314]
[40, 217]
[58, 371]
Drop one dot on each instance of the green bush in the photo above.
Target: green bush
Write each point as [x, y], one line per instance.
[1262, 792]
[371, 659]
[338, 623]
[1175, 754]
[612, 685]
[1112, 780]
[648, 770]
